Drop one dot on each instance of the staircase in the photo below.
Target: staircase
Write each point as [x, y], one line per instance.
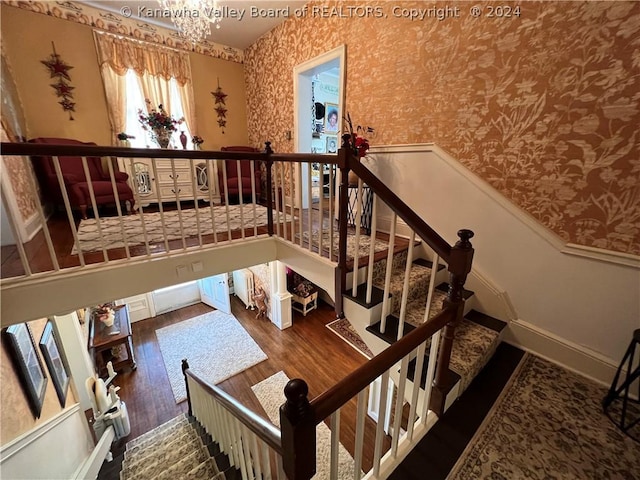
[179, 448]
[476, 337]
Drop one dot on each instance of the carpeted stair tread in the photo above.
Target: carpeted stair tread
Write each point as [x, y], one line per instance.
[161, 456]
[206, 470]
[149, 446]
[181, 468]
[473, 346]
[419, 279]
[173, 423]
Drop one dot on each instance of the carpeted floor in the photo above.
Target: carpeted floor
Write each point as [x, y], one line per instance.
[215, 344]
[548, 423]
[270, 393]
[110, 233]
[343, 328]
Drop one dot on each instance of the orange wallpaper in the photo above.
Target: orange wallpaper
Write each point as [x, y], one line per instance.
[543, 106]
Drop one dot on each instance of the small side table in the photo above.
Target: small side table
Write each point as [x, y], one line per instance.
[304, 304]
[627, 415]
[105, 341]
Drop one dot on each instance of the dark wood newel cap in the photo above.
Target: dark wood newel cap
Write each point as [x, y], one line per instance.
[464, 235]
[346, 140]
[267, 148]
[296, 389]
[185, 365]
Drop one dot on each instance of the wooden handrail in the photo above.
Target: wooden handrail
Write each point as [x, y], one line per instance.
[41, 149]
[25, 148]
[265, 430]
[332, 399]
[422, 229]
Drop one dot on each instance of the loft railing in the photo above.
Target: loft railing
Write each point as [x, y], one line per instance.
[166, 185]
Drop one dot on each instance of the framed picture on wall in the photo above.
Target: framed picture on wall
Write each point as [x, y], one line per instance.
[27, 364]
[332, 117]
[55, 365]
[332, 143]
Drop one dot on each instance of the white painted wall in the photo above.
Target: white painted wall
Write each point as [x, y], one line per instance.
[75, 352]
[589, 305]
[57, 449]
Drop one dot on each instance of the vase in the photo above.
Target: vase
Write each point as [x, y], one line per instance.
[161, 136]
[183, 140]
[353, 179]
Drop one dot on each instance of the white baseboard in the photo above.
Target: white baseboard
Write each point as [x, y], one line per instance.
[32, 226]
[544, 344]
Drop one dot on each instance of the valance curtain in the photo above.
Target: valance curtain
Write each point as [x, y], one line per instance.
[154, 66]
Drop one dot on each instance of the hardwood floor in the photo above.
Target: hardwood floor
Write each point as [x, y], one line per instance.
[307, 350]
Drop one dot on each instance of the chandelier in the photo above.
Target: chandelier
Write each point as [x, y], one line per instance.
[193, 18]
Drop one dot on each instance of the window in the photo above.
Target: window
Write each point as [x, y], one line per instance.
[135, 101]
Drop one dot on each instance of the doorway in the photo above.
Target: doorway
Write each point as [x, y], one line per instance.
[319, 86]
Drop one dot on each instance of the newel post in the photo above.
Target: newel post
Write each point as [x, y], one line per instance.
[343, 203]
[269, 166]
[459, 268]
[298, 431]
[185, 367]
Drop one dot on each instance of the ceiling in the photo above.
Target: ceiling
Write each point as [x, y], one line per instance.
[232, 32]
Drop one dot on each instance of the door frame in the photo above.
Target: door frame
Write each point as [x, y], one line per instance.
[302, 74]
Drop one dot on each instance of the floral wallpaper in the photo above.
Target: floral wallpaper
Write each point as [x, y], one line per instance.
[544, 105]
[21, 178]
[126, 23]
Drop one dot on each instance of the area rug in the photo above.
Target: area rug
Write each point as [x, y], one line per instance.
[110, 233]
[270, 393]
[548, 423]
[215, 344]
[343, 329]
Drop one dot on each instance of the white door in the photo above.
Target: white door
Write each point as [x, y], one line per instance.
[214, 291]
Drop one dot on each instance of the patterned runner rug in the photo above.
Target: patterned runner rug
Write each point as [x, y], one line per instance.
[270, 392]
[110, 234]
[215, 344]
[548, 423]
[343, 328]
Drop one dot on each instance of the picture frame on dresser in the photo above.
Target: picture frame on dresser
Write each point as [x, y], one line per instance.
[55, 364]
[27, 364]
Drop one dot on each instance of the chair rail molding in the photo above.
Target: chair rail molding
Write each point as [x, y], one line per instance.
[568, 248]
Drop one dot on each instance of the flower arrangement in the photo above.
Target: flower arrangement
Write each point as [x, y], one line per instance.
[157, 118]
[197, 141]
[161, 124]
[359, 143]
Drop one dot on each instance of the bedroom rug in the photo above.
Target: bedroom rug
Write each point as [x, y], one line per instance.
[215, 344]
[548, 423]
[343, 329]
[91, 240]
[270, 393]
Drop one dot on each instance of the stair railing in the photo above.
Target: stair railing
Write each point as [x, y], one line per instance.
[299, 416]
[458, 257]
[252, 444]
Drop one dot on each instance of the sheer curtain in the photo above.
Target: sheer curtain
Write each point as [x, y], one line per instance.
[133, 71]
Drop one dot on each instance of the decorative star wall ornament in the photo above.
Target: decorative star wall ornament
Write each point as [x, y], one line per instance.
[63, 89]
[221, 111]
[220, 100]
[219, 95]
[60, 70]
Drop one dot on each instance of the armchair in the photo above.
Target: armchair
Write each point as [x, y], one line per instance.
[237, 183]
[75, 180]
